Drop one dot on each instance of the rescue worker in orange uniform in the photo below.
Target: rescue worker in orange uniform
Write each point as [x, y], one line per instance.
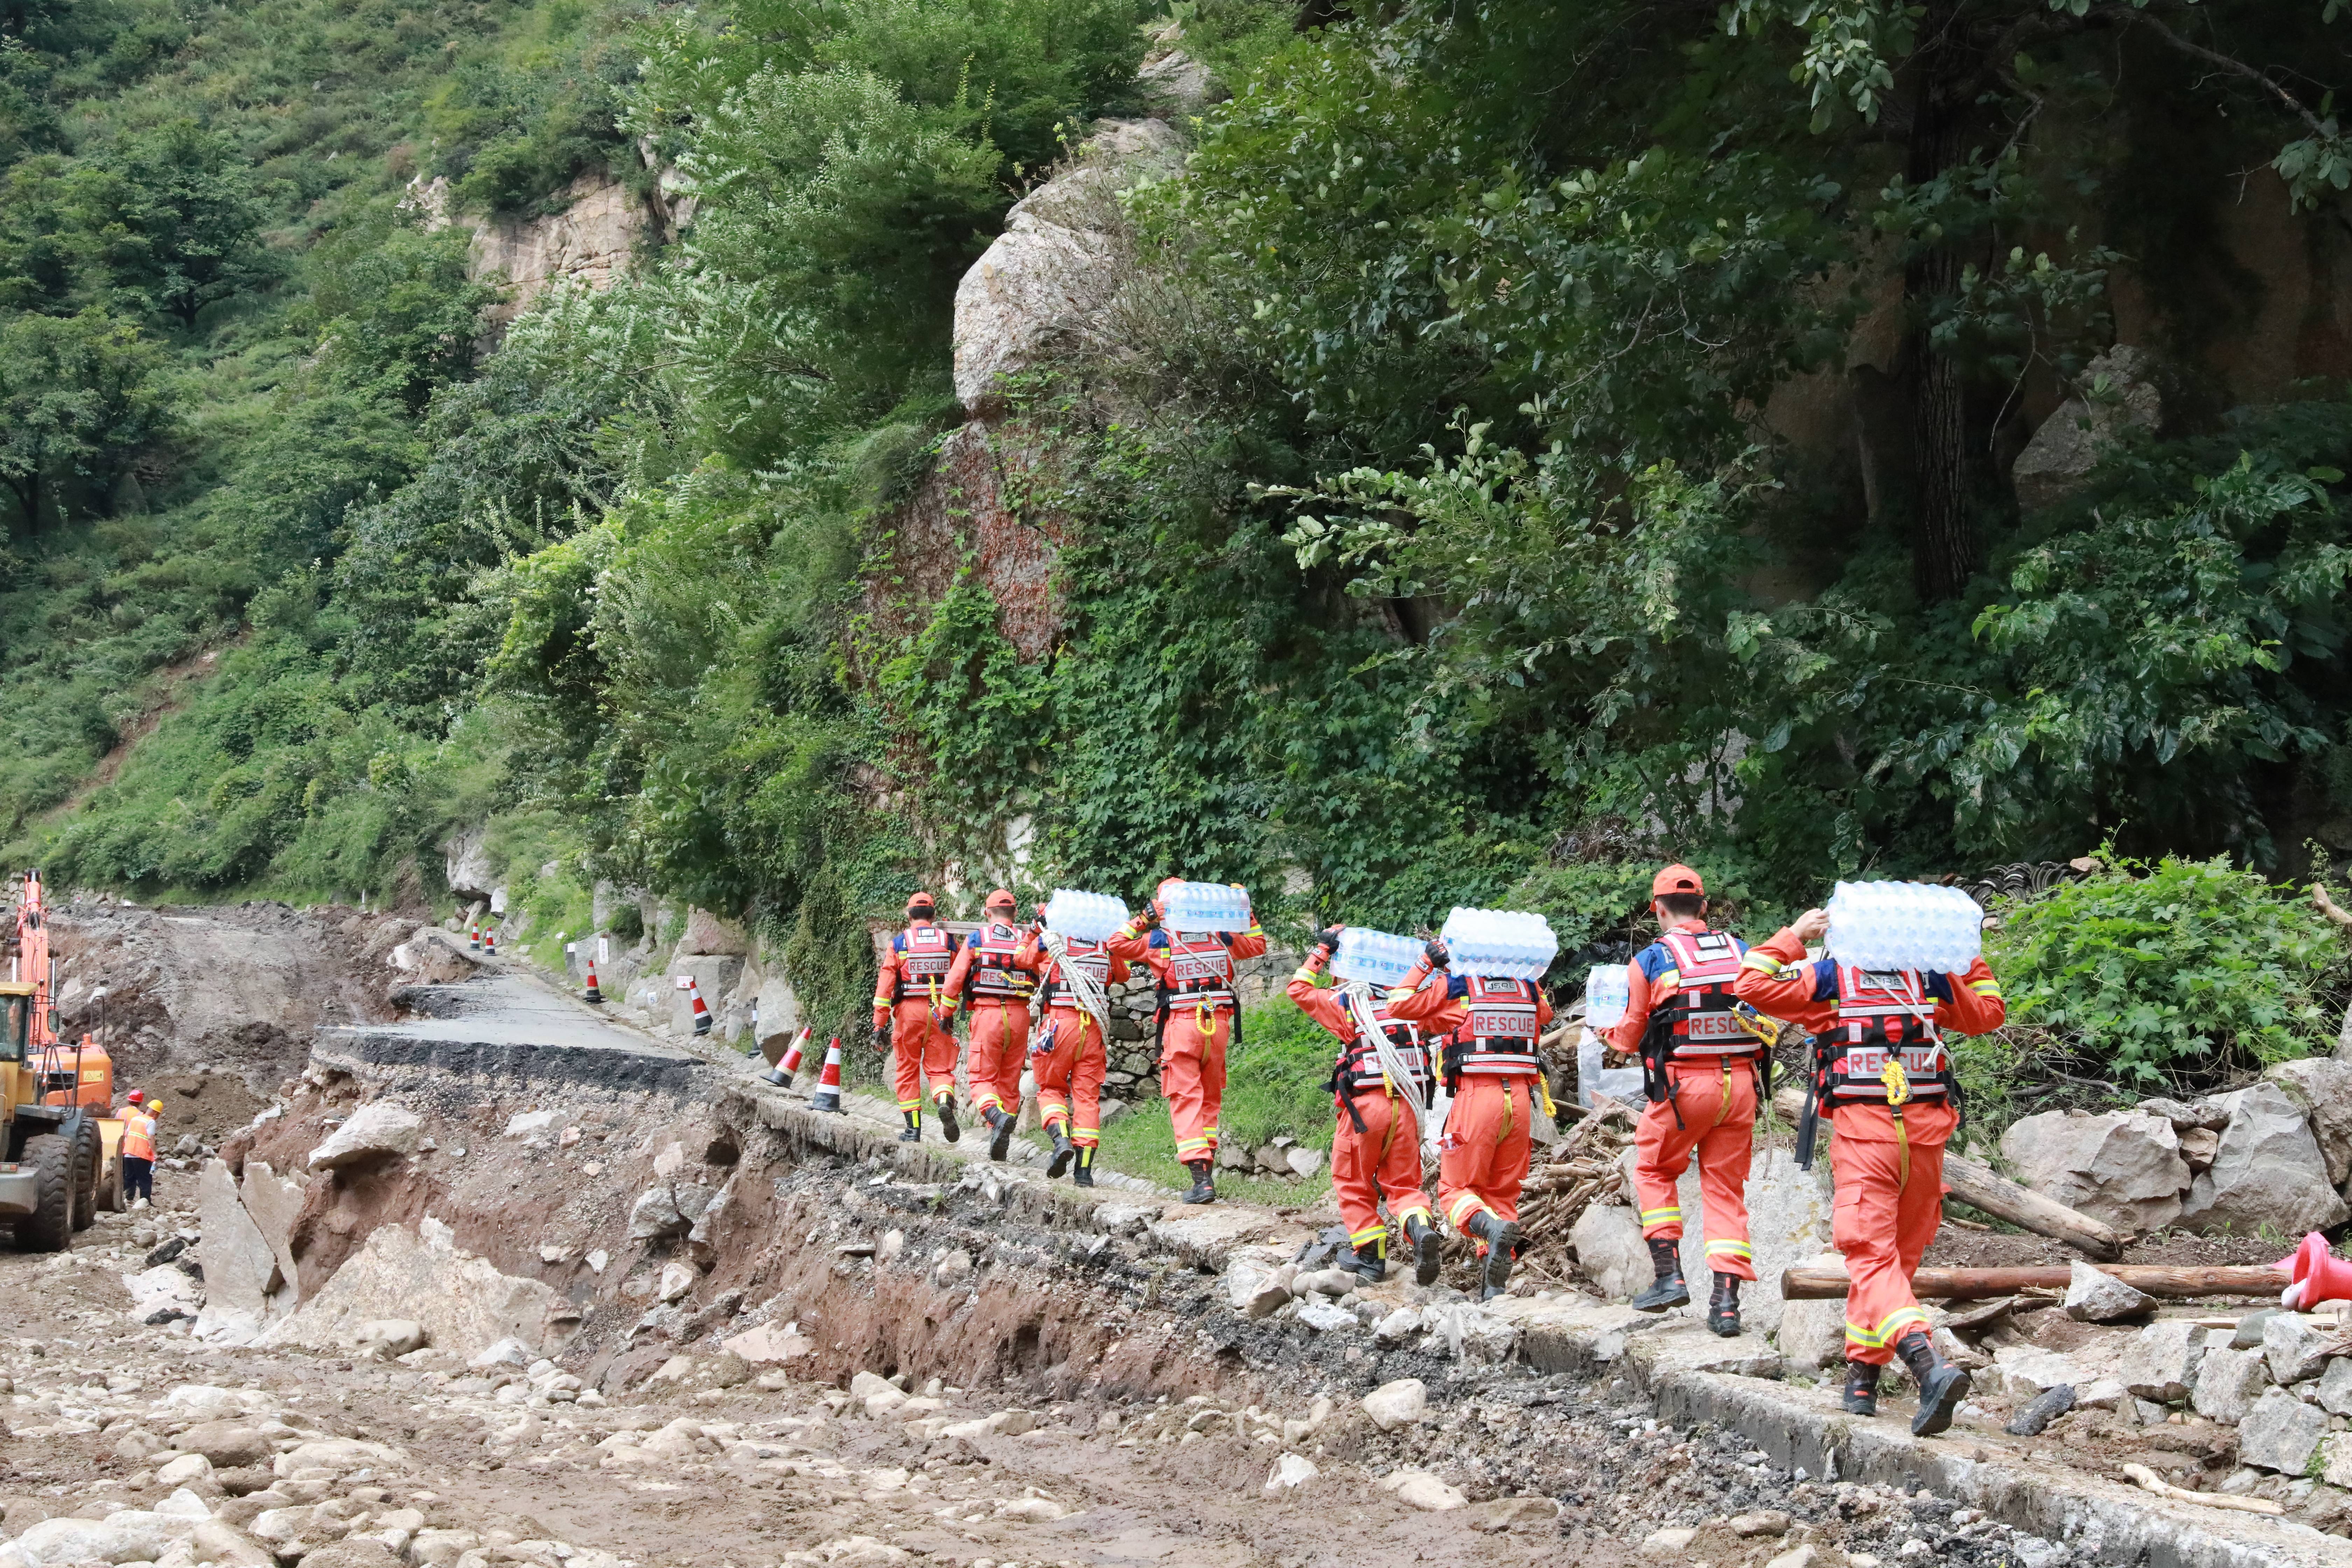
[1196, 1016]
[1883, 1078]
[1489, 1028]
[994, 982]
[1702, 1068]
[1073, 1049]
[914, 1011]
[1376, 1147]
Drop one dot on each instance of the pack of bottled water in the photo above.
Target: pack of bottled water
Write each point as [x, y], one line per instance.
[1904, 925]
[1206, 906]
[1374, 955]
[1501, 944]
[1084, 917]
[1608, 992]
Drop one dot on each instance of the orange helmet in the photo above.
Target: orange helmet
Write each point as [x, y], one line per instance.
[919, 899]
[1002, 899]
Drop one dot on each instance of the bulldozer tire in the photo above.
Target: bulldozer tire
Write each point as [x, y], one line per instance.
[89, 1155]
[49, 1227]
[109, 1187]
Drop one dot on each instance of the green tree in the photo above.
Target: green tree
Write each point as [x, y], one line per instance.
[192, 209]
[79, 396]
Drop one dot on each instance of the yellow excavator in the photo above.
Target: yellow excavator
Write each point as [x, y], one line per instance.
[60, 1149]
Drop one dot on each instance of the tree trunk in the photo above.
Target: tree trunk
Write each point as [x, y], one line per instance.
[1944, 546]
[1828, 1284]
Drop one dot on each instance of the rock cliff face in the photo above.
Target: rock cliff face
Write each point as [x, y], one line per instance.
[590, 241]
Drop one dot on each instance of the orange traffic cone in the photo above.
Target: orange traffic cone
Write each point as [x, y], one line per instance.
[475, 937]
[2318, 1276]
[701, 1008]
[781, 1075]
[491, 944]
[828, 1087]
[593, 994]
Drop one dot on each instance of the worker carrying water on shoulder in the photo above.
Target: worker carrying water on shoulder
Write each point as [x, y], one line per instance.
[1703, 1070]
[1488, 1028]
[994, 975]
[1072, 1050]
[914, 1012]
[1378, 1094]
[1883, 1074]
[1198, 1015]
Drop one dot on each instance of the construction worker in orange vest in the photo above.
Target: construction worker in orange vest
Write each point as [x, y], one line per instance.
[914, 1011]
[1701, 1067]
[137, 1151]
[1881, 1073]
[994, 980]
[1071, 1051]
[1376, 1146]
[1196, 1018]
[1489, 1029]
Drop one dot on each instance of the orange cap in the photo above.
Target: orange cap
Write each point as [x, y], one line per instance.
[919, 899]
[1000, 899]
[1676, 878]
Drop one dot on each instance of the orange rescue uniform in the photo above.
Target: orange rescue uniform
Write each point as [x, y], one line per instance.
[1888, 1173]
[1710, 1110]
[994, 979]
[1071, 1054]
[1381, 1157]
[911, 996]
[1482, 1156]
[1195, 971]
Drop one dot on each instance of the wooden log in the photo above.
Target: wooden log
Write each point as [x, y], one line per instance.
[1823, 1284]
[1980, 1186]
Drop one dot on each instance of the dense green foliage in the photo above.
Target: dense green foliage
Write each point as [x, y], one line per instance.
[1433, 529]
[2144, 979]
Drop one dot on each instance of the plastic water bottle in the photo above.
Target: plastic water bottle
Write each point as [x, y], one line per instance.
[1502, 944]
[1374, 956]
[1608, 992]
[1206, 907]
[1904, 925]
[1084, 917]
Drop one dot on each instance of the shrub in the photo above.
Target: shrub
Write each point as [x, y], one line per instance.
[2170, 977]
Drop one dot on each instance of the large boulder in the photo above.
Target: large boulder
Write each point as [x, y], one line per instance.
[706, 933]
[2161, 1361]
[273, 1202]
[466, 865]
[244, 1291]
[2281, 1433]
[372, 1133]
[2322, 1087]
[2267, 1172]
[2122, 1167]
[1607, 1238]
[462, 1303]
[2120, 392]
[1039, 289]
[715, 973]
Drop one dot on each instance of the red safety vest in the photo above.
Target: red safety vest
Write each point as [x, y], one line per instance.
[1497, 1035]
[1093, 957]
[993, 977]
[1883, 1013]
[1200, 970]
[925, 955]
[1697, 1015]
[1359, 1065]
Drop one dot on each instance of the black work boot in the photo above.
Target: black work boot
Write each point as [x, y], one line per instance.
[914, 1133]
[1667, 1289]
[1723, 1307]
[1942, 1385]
[1085, 1175]
[1502, 1241]
[1418, 1231]
[1861, 1396]
[1204, 1190]
[1064, 1151]
[1372, 1261]
[948, 1127]
[1000, 1123]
